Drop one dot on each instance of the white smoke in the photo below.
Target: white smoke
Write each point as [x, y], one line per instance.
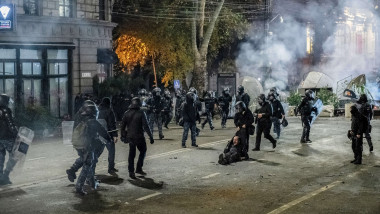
[341, 25]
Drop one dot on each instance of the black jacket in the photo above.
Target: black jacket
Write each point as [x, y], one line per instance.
[358, 124]
[244, 118]
[266, 111]
[277, 108]
[8, 130]
[243, 97]
[94, 130]
[306, 107]
[224, 101]
[134, 123]
[189, 112]
[155, 104]
[108, 115]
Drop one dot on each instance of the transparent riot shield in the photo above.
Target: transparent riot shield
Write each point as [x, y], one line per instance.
[21, 146]
[318, 105]
[67, 131]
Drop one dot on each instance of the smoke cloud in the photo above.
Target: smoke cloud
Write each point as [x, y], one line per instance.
[335, 37]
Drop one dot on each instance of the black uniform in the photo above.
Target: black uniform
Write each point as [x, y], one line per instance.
[8, 134]
[168, 110]
[106, 113]
[264, 124]
[209, 104]
[359, 125]
[278, 112]
[180, 98]
[306, 108]
[365, 110]
[243, 97]
[155, 105]
[132, 128]
[224, 103]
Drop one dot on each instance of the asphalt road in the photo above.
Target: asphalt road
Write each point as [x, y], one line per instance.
[293, 178]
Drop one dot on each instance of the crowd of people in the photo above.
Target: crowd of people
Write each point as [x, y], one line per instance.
[142, 112]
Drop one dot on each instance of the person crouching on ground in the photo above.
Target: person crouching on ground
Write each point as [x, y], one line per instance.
[232, 153]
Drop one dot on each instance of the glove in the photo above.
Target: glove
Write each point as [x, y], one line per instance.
[151, 140]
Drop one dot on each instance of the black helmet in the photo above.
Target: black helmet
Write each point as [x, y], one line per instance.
[106, 102]
[207, 95]
[142, 92]
[135, 103]
[261, 99]
[310, 94]
[156, 92]
[240, 89]
[226, 91]
[271, 96]
[284, 122]
[90, 109]
[363, 98]
[240, 106]
[190, 97]
[5, 100]
[193, 90]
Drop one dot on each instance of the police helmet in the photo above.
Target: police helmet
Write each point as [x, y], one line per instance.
[5, 100]
[240, 106]
[261, 99]
[156, 92]
[226, 91]
[193, 90]
[310, 94]
[240, 89]
[90, 109]
[167, 93]
[190, 97]
[271, 96]
[363, 98]
[135, 103]
[142, 92]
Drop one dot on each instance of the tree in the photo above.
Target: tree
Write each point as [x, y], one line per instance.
[131, 51]
[200, 41]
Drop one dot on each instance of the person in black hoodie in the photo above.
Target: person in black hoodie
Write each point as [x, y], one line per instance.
[106, 112]
[133, 125]
[277, 114]
[365, 109]
[264, 123]
[189, 114]
[358, 129]
[243, 121]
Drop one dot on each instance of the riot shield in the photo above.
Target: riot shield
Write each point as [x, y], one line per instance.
[21, 146]
[318, 105]
[67, 131]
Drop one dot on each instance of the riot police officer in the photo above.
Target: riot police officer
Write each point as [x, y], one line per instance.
[264, 123]
[189, 114]
[242, 96]
[365, 109]
[210, 102]
[168, 108]
[224, 103]
[180, 98]
[8, 134]
[359, 125]
[277, 113]
[156, 105]
[198, 107]
[306, 108]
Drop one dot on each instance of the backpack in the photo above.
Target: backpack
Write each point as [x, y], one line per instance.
[79, 136]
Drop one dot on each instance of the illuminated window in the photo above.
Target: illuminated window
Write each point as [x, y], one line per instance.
[66, 8]
[31, 7]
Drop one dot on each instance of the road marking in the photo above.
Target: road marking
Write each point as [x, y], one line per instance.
[36, 158]
[34, 183]
[210, 176]
[312, 194]
[148, 196]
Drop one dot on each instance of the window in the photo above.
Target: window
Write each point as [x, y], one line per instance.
[7, 71]
[58, 81]
[66, 8]
[31, 7]
[31, 70]
[102, 10]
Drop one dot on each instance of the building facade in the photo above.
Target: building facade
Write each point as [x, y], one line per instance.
[51, 49]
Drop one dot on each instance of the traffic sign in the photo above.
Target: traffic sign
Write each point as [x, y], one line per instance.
[177, 84]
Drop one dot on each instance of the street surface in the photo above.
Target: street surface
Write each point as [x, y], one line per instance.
[292, 178]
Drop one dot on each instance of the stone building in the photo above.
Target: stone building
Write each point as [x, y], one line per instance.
[51, 49]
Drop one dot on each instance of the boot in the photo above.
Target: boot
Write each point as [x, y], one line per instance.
[80, 191]
[302, 141]
[132, 175]
[71, 175]
[140, 171]
[161, 137]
